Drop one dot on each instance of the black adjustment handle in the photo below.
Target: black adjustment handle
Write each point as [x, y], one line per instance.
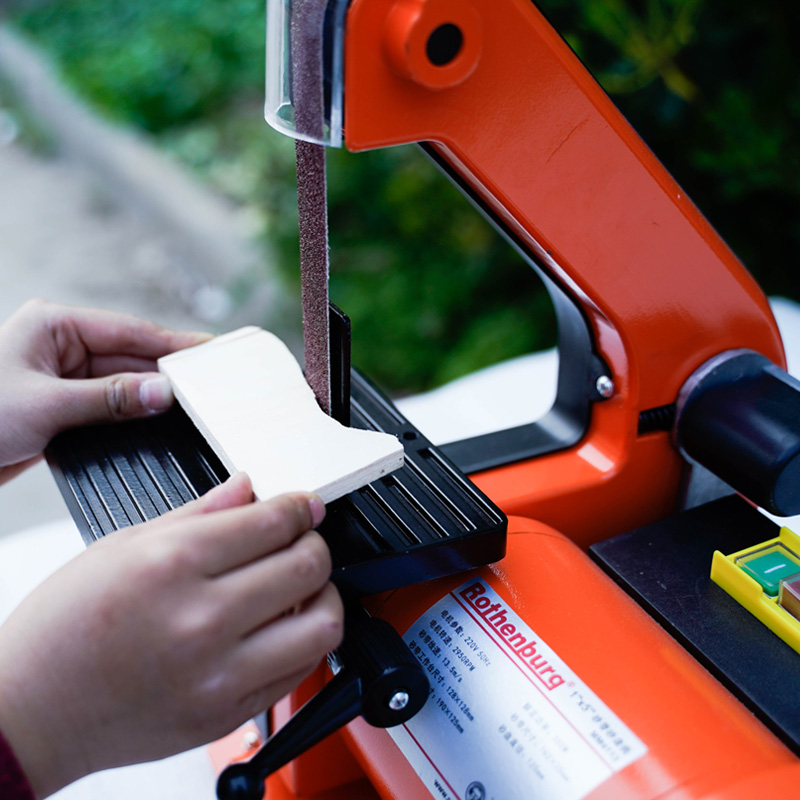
[375, 675]
[393, 685]
[739, 416]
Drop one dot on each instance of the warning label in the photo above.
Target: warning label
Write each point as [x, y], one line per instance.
[506, 717]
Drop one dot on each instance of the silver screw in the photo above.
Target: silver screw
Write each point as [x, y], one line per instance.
[251, 740]
[605, 386]
[399, 700]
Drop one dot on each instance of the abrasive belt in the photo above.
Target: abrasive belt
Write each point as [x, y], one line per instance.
[314, 269]
[309, 108]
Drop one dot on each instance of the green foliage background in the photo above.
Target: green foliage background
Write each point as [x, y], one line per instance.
[433, 293]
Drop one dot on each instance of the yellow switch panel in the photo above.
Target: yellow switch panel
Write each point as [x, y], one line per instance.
[765, 579]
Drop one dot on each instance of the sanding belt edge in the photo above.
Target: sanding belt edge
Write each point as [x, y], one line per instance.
[312, 206]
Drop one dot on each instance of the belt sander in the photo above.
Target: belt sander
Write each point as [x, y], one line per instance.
[547, 626]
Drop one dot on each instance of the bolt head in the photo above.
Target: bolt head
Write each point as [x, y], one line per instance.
[251, 740]
[605, 386]
[399, 701]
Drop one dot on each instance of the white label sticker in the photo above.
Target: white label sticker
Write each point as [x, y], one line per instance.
[506, 718]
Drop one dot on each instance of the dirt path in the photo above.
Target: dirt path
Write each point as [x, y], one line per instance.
[63, 239]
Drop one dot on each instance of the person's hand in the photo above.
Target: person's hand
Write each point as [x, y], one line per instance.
[61, 367]
[167, 635]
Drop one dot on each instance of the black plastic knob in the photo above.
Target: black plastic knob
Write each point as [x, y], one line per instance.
[241, 783]
[394, 686]
[740, 418]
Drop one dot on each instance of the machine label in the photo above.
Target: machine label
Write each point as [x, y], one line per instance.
[506, 718]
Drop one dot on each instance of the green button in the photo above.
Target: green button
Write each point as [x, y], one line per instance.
[769, 569]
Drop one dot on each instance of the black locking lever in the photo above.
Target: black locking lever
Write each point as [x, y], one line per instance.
[375, 676]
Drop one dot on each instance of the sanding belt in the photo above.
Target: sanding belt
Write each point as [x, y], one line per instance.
[306, 33]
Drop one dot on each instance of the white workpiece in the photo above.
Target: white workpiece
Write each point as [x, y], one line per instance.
[246, 394]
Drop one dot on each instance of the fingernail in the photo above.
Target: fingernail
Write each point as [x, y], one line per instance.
[317, 510]
[156, 393]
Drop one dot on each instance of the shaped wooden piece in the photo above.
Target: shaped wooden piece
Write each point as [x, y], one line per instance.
[246, 394]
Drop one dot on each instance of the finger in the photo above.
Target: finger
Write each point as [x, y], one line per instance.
[265, 697]
[12, 470]
[233, 537]
[109, 332]
[279, 649]
[235, 491]
[100, 366]
[111, 399]
[263, 590]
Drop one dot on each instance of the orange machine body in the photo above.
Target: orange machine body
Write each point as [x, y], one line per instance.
[527, 131]
[701, 742]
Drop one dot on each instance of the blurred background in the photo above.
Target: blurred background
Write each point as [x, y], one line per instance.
[712, 87]
[432, 292]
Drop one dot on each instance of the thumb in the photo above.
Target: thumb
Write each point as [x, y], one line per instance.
[126, 395]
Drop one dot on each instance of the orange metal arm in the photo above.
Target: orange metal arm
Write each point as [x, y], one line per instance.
[526, 129]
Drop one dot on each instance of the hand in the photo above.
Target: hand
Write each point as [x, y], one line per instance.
[63, 367]
[167, 635]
